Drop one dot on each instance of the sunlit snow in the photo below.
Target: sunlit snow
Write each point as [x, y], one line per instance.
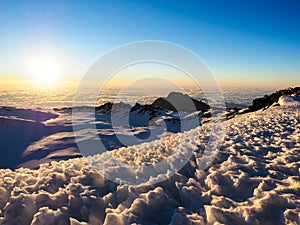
[254, 179]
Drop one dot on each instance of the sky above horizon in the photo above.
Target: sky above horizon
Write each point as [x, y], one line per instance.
[244, 43]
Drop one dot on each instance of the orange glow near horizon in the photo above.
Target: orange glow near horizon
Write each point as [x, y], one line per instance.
[61, 81]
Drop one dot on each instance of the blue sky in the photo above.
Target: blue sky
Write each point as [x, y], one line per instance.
[254, 43]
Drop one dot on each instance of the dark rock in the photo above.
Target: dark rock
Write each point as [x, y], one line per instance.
[206, 115]
[177, 101]
[231, 112]
[153, 111]
[108, 107]
[105, 107]
[268, 100]
[76, 108]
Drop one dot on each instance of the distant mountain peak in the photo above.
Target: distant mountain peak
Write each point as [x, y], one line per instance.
[177, 101]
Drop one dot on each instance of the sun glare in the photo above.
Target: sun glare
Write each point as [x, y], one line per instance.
[44, 71]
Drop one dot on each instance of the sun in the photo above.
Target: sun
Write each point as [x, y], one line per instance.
[44, 70]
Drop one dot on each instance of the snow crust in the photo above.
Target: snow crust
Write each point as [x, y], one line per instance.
[254, 179]
[289, 100]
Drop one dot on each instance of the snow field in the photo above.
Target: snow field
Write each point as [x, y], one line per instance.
[254, 179]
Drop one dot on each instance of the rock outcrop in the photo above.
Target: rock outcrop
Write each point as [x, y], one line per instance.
[107, 107]
[268, 100]
[177, 101]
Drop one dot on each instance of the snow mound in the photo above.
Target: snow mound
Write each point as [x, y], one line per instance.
[289, 100]
[254, 179]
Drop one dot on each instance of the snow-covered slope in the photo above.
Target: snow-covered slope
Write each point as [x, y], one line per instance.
[18, 129]
[254, 179]
[29, 138]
